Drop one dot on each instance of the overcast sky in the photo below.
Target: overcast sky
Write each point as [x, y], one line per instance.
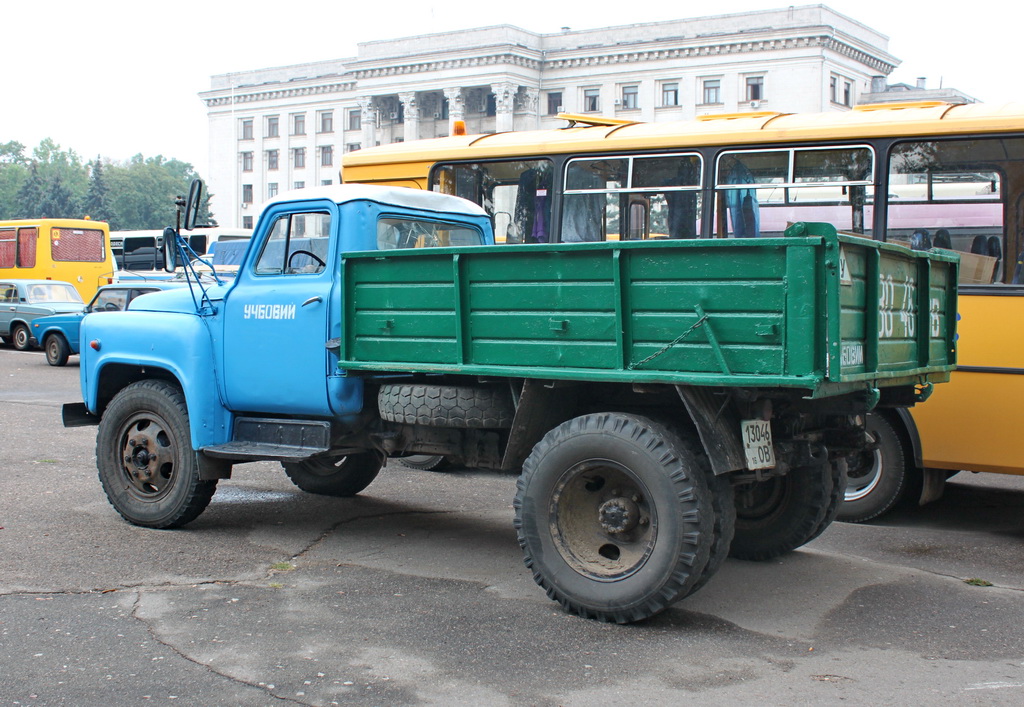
[119, 77]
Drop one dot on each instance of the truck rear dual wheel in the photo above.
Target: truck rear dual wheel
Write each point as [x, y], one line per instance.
[615, 516]
[335, 476]
[783, 513]
[146, 463]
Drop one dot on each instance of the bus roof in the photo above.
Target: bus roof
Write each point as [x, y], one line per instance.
[924, 118]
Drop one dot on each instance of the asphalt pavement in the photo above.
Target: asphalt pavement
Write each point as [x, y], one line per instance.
[414, 593]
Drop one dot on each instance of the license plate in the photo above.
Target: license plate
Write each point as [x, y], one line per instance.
[757, 444]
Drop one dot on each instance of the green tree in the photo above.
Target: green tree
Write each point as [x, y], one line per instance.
[97, 198]
[30, 194]
[57, 200]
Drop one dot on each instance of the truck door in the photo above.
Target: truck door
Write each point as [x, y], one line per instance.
[277, 315]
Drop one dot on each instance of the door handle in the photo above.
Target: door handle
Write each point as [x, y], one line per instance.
[311, 300]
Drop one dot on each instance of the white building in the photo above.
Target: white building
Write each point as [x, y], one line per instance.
[284, 128]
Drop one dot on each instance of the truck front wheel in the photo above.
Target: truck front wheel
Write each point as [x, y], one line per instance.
[615, 516]
[784, 512]
[335, 476]
[146, 463]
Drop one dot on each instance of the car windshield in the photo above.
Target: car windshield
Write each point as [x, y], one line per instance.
[52, 292]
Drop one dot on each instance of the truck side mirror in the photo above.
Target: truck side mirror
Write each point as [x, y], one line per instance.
[195, 196]
[169, 249]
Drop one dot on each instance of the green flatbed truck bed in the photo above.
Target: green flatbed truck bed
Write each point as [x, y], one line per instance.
[814, 310]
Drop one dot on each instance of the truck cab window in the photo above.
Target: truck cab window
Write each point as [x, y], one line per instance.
[296, 245]
[395, 233]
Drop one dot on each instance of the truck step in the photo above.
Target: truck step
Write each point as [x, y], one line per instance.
[257, 438]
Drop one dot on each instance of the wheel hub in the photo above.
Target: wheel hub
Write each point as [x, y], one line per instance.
[618, 515]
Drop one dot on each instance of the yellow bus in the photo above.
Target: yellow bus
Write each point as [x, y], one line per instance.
[70, 250]
[928, 174]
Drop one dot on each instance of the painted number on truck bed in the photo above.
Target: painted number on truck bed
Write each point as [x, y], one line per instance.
[757, 444]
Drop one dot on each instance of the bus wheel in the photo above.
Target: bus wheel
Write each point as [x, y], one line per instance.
[879, 478]
[782, 513]
[20, 337]
[335, 476]
[146, 462]
[615, 517]
[57, 350]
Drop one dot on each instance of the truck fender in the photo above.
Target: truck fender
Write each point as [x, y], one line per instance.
[160, 337]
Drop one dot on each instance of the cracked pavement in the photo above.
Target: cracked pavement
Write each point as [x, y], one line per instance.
[414, 593]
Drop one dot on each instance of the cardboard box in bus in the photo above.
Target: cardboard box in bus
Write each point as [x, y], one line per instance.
[977, 269]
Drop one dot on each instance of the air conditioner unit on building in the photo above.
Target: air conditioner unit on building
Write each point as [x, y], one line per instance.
[755, 104]
[245, 205]
[437, 116]
[394, 116]
[559, 109]
[618, 102]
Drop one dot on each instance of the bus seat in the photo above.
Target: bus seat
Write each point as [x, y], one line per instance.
[979, 246]
[941, 239]
[920, 240]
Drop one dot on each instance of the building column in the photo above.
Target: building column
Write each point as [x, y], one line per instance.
[504, 99]
[531, 105]
[456, 107]
[411, 112]
[368, 120]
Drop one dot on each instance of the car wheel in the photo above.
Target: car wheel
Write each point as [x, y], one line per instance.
[21, 337]
[878, 479]
[57, 350]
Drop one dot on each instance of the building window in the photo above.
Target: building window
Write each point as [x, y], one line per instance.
[352, 147]
[299, 124]
[326, 155]
[299, 185]
[847, 93]
[670, 94]
[554, 102]
[326, 182]
[272, 159]
[271, 190]
[833, 89]
[246, 161]
[247, 129]
[299, 157]
[247, 222]
[247, 193]
[591, 100]
[355, 119]
[712, 91]
[325, 119]
[273, 127]
[630, 97]
[755, 88]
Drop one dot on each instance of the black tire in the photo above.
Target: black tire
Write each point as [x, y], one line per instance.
[782, 513]
[724, 529]
[335, 476]
[878, 479]
[447, 405]
[146, 463]
[21, 338]
[835, 501]
[614, 516]
[425, 462]
[57, 350]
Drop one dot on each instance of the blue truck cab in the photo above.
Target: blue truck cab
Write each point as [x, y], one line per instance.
[207, 376]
